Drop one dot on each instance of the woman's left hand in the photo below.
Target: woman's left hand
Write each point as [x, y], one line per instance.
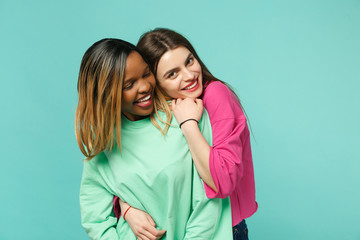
[187, 108]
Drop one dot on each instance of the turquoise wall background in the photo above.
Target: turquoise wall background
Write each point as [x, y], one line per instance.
[294, 64]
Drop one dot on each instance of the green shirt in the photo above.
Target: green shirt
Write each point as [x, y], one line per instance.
[154, 173]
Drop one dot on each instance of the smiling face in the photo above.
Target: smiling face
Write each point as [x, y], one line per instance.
[138, 88]
[179, 74]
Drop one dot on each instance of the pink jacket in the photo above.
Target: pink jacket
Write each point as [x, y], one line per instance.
[231, 163]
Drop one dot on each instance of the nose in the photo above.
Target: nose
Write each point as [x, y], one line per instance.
[144, 86]
[188, 75]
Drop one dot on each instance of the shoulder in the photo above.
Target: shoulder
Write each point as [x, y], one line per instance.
[215, 89]
[218, 93]
[221, 102]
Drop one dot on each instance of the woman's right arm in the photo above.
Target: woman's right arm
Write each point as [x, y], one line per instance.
[97, 216]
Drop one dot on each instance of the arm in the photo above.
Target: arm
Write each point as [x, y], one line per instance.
[140, 222]
[226, 155]
[205, 216]
[96, 204]
[230, 135]
[199, 147]
[210, 218]
[231, 139]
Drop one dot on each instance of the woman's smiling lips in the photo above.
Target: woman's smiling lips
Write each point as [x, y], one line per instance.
[192, 86]
[144, 102]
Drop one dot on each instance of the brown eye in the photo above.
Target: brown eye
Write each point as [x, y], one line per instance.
[190, 61]
[172, 74]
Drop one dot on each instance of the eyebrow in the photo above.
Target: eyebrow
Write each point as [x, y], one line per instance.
[129, 80]
[176, 68]
[133, 79]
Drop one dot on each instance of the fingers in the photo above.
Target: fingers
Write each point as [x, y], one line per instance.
[185, 100]
[152, 230]
[173, 103]
[150, 220]
[200, 104]
[142, 225]
[142, 237]
[146, 236]
[160, 233]
[152, 233]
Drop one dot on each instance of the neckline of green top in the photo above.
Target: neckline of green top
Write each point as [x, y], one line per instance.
[134, 124]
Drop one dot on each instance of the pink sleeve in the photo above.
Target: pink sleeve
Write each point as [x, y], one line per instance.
[230, 132]
[116, 207]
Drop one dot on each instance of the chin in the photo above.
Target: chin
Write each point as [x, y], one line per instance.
[196, 94]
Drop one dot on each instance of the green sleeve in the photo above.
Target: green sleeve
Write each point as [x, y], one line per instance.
[205, 214]
[96, 203]
[210, 218]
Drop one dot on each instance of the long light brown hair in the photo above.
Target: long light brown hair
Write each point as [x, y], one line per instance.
[155, 43]
[100, 83]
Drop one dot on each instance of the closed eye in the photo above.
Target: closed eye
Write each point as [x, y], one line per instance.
[147, 74]
[129, 85]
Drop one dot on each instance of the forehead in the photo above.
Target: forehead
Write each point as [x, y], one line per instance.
[173, 57]
[135, 64]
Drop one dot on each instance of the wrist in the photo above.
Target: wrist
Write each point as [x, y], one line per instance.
[188, 121]
[123, 206]
[126, 211]
[189, 127]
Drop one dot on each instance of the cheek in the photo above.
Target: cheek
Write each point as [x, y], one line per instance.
[198, 67]
[152, 81]
[164, 85]
[125, 100]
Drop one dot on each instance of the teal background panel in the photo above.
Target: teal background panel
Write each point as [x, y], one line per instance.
[294, 64]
